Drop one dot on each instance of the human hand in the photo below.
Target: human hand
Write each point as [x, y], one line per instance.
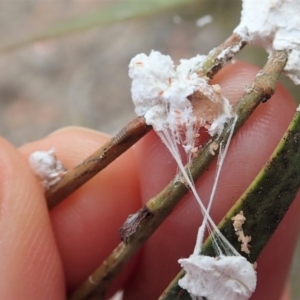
[44, 254]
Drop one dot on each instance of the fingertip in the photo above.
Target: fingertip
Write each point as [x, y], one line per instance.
[30, 265]
[72, 143]
[77, 129]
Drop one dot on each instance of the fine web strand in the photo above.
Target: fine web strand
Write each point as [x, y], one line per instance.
[217, 235]
[165, 136]
[171, 144]
[200, 236]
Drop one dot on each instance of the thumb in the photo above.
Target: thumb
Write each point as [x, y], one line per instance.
[30, 267]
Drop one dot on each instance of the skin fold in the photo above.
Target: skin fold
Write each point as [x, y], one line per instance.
[45, 255]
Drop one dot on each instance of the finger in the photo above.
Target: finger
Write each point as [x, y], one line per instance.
[286, 294]
[248, 152]
[87, 223]
[30, 266]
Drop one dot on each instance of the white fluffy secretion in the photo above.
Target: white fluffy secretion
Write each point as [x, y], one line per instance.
[161, 93]
[274, 25]
[45, 165]
[230, 273]
[215, 278]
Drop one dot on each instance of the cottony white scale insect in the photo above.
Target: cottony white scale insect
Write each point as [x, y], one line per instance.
[160, 93]
[274, 25]
[47, 167]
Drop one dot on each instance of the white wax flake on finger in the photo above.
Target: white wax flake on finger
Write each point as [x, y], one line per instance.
[224, 277]
[274, 25]
[45, 165]
[160, 93]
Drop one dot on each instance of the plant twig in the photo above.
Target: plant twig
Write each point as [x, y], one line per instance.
[139, 227]
[131, 133]
[100, 159]
[218, 57]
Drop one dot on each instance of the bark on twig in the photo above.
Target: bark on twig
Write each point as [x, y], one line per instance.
[76, 177]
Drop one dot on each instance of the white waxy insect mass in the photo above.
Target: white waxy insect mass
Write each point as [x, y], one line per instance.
[160, 93]
[224, 277]
[47, 166]
[177, 102]
[274, 25]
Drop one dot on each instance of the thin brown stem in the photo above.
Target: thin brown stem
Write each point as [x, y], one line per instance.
[131, 133]
[100, 159]
[219, 57]
[140, 226]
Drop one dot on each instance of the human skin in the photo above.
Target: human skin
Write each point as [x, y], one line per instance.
[44, 255]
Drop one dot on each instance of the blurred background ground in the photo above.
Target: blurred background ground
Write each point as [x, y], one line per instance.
[82, 79]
